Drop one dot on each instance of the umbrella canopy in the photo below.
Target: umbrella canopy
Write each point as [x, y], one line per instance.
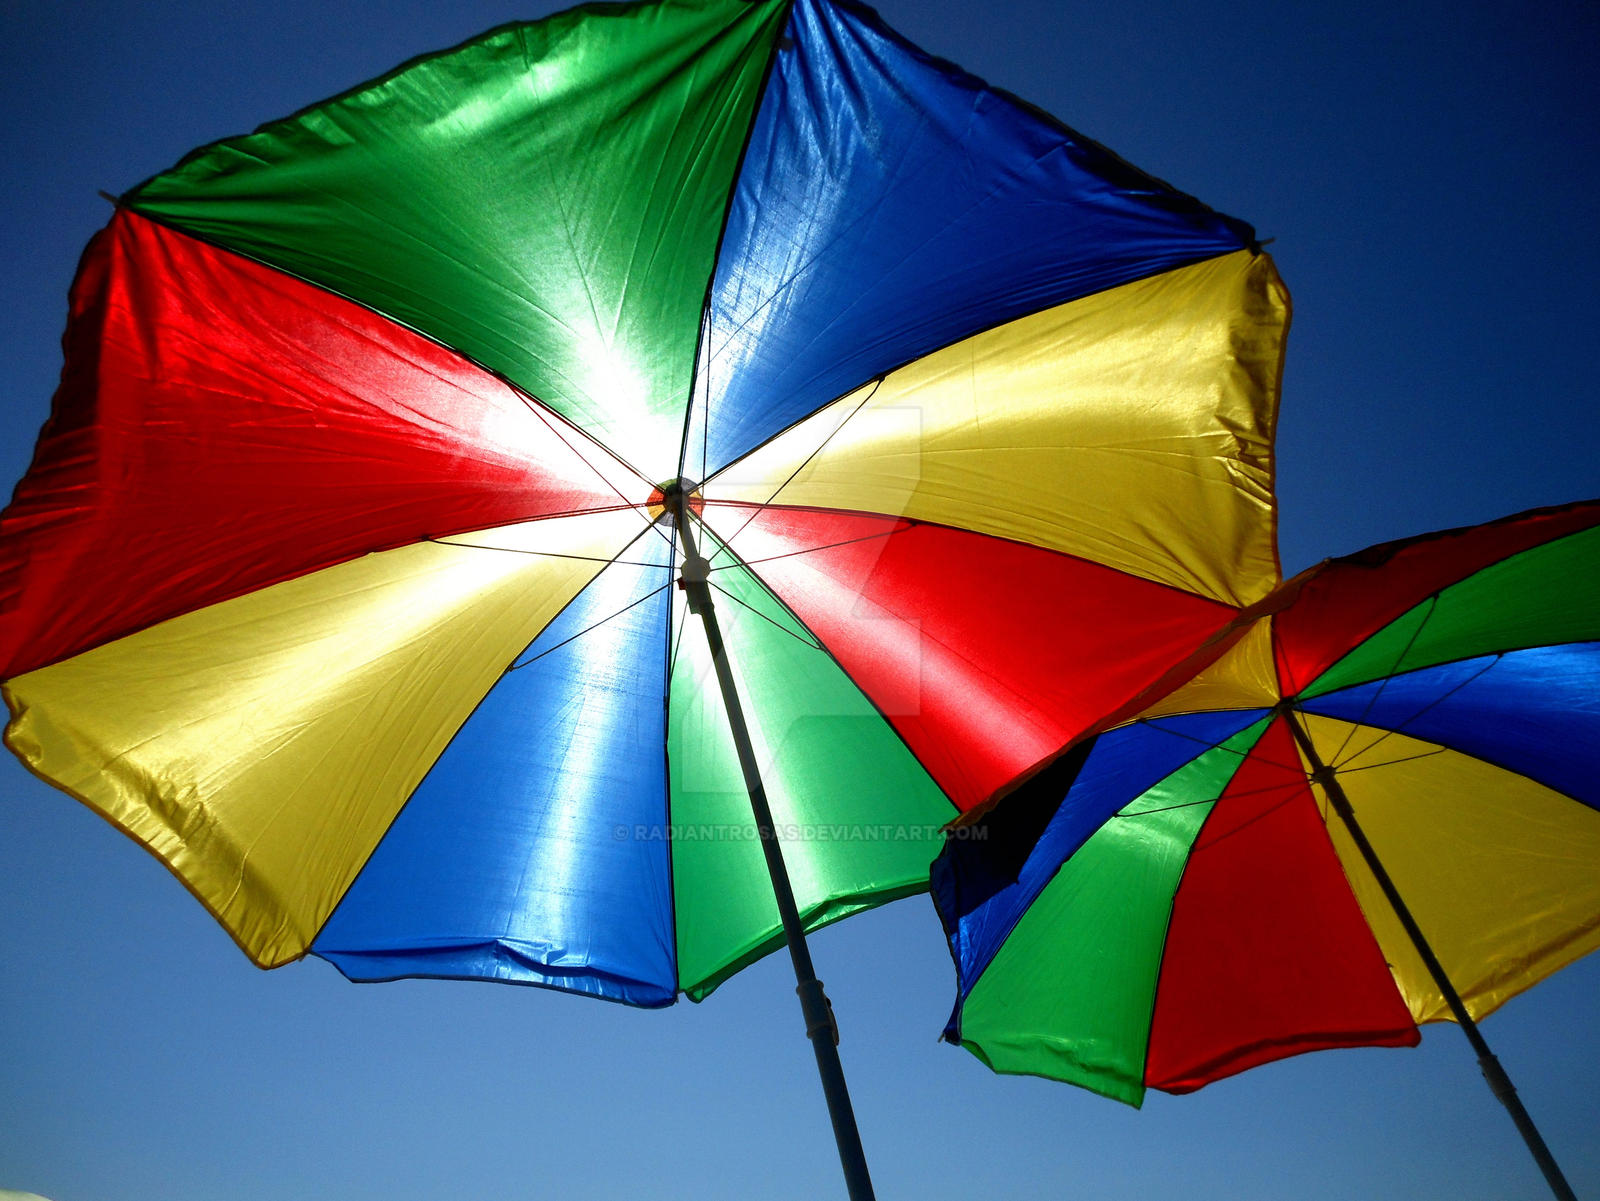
[1169, 902]
[343, 576]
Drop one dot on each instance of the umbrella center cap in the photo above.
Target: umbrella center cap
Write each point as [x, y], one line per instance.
[667, 499]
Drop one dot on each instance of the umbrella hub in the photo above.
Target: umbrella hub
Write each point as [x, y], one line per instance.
[667, 500]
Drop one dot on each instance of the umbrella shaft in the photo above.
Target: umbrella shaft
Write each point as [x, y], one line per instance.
[814, 1005]
[1495, 1075]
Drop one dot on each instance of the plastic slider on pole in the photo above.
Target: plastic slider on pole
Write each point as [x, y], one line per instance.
[818, 1010]
[695, 574]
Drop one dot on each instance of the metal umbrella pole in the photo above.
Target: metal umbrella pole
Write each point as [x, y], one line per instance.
[821, 1028]
[1495, 1075]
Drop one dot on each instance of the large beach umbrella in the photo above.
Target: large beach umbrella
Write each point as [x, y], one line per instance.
[1373, 803]
[344, 576]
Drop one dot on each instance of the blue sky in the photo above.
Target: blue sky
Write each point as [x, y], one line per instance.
[1429, 173]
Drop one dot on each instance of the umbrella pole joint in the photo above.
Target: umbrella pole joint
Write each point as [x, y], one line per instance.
[1326, 778]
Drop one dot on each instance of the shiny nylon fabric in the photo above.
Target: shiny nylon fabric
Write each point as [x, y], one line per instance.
[492, 869]
[1468, 749]
[398, 362]
[1183, 899]
[221, 427]
[859, 817]
[893, 204]
[1498, 869]
[568, 244]
[1132, 428]
[1115, 892]
[1334, 610]
[979, 692]
[262, 745]
[1484, 707]
[1260, 875]
[991, 892]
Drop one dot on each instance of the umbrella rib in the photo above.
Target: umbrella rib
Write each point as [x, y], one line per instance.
[1198, 741]
[806, 462]
[1438, 750]
[1252, 752]
[608, 562]
[803, 641]
[877, 382]
[666, 765]
[1400, 728]
[734, 179]
[807, 550]
[694, 383]
[677, 645]
[1433, 607]
[631, 604]
[738, 562]
[1217, 800]
[1230, 796]
[548, 554]
[538, 410]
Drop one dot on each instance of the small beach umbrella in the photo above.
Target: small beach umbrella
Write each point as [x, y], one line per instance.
[592, 504]
[1373, 802]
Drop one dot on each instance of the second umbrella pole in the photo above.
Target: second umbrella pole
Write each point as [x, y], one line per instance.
[814, 1004]
[1499, 1083]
